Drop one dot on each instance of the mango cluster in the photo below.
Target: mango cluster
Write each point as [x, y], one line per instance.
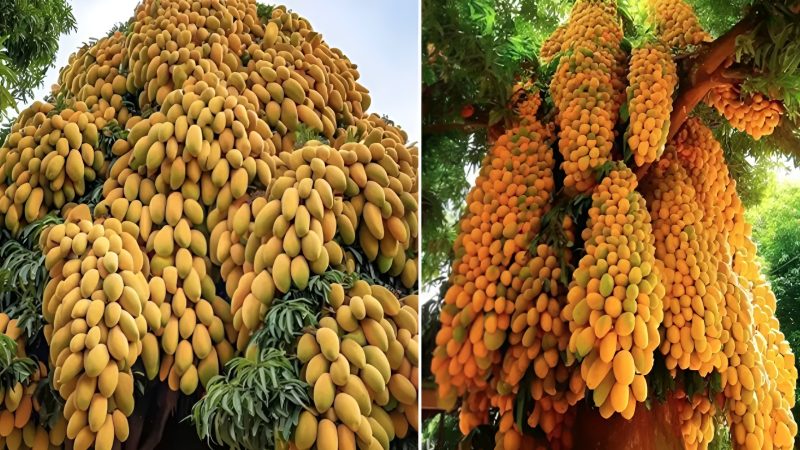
[192, 120]
[493, 265]
[47, 161]
[676, 23]
[21, 426]
[552, 45]
[652, 80]
[758, 369]
[98, 307]
[692, 317]
[615, 299]
[95, 77]
[696, 415]
[588, 90]
[755, 114]
[361, 363]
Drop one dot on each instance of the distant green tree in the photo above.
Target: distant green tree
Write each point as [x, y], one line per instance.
[29, 34]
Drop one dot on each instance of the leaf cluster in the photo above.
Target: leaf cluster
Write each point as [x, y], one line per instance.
[31, 30]
[14, 369]
[50, 401]
[24, 275]
[497, 39]
[255, 404]
[772, 52]
[285, 320]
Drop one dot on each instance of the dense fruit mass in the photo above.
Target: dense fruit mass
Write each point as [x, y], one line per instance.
[47, 161]
[696, 415]
[23, 424]
[615, 298]
[660, 297]
[552, 45]
[208, 160]
[652, 80]
[588, 90]
[98, 306]
[691, 324]
[754, 114]
[493, 266]
[676, 23]
[362, 363]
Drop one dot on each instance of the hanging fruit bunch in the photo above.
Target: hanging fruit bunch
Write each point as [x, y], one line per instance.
[587, 91]
[623, 288]
[24, 423]
[677, 23]
[754, 114]
[652, 81]
[362, 363]
[208, 161]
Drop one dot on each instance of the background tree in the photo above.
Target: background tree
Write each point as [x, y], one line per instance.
[29, 34]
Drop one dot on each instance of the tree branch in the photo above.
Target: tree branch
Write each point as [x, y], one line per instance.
[725, 45]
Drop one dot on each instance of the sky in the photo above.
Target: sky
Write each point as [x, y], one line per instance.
[381, 38]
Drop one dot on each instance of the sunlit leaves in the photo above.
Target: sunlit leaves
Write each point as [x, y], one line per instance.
[31, 29]
[773, 51]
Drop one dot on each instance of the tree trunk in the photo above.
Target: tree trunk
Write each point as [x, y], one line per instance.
[655, 429]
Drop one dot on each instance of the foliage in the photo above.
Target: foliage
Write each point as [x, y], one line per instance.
[239, 406]
[772, 49]
[52, 405]
[445, 171]
[462, 36]
[440, 431]
[722, 434]
[13, 369]
[718, 17]
[289, 316]
[304, 133]
[122, 27]
[429, 320]
[285, 319]
[368, 272]
[248, 408]
[264, 11]
[30, 30]
[24, 275]
[9, 79]
[5, 130]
